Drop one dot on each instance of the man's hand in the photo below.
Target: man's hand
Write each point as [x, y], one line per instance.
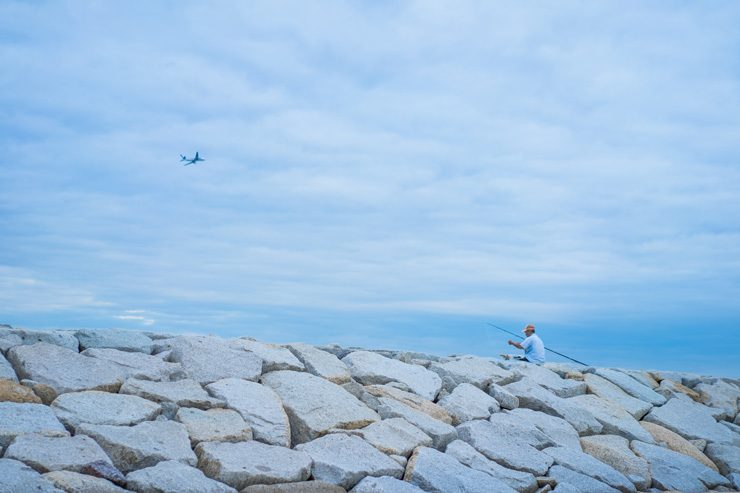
[511, 343]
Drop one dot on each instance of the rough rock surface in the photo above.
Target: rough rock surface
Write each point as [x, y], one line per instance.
[395, 436]
[506, 399]
[613, 418]
[690, 420]
[207, 359]
[173, 477]
[214, 425]
[20, 418]
[103, 408]
[123, 340]
[185, 393]
[321, 363]
[550, 380]
[385, 484]
[299, 487]
[631, 386]
[585, 464]
[81, 483]
[720, 395]
[473, 370]
[614, 451]
[559, 431]
[726, 457]
[6, 370]
[667, 438]
[370, 368]
[140, 365]
[274, 357]
[47, 454]
[580, 482]
[16, 477]
[440, 432]
[409, 399]
[61, 338]
[12, 391]
[522, 482]
[467, 402]
[611, 392]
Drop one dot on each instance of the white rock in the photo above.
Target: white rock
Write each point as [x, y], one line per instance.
[344, 460]
[506, 399]
[467, 402]
[260, 407]
[641, 376]
[140, 365]
[214, 425]
[583, 463]
[184, 393]
[314, 405]
[321, 363]
[103, 408]
[207, 359]
[720, 395]
[246, 463]
[523, 482]
[410, 399]
[18, 419]
[81, 483]
[631, 386]
[173, 477]
[440, 432]
[690, 420]
[560, 432]
[614, 451]
[473, 370]
[395, 436]
[611, 392]
[551, 380]
[580, 482]
[123, 340]
[47, 454]
[62, 338]
[685, 378]
[726, 457]
[16, 477]
[371, 368]
[142, 445]
[8, 340]
[384, 484]
[614, 419]
[6, 370]
[274, 357]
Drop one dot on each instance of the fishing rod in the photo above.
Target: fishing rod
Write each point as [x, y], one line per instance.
[552, 351]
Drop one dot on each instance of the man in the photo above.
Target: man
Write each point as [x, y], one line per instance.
[534, 350]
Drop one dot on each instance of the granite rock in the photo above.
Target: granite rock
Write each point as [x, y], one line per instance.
[370, 368]
[174, 477]
[214, 425]
[184, 393]
[467, 402]
[139, 365]
[726, 457]
[207, 359]
[321, 363]
[384, 484]
[103, 408]
[21, 418]
[523, 482]
[613, 418]
[394, 436]
[6, 370]
[408, 398]
[12, 391]
[62, 338]
[506, 399]
[550, 380]
[606, 390]
[614, 451]
[720, 395]
[577, 481]
[273, 356]
[123, 340]
[631, 386]
[299, 487]
[46, 454]
[672, 440]
[16, 477]
[440, 432]
[473, 370]
[559, 431]
[583, 463]
[75, 482]
[690, 420]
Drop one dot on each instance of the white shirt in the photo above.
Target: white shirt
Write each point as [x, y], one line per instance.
[534, 350]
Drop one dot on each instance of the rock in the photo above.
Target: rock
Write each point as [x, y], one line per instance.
[674, 471]
[614, 451]
[522, 482]
[688, 379]
[690, 420]
[385, 484]
[563, 369]
[214, 425]
[578, 482]
[473, 370]
[726, 457]
[641, 376]
[321, 363]
[669, 388]
[559, 431]
[677, 443]
[344, 460]
[184, 393]
[246, 463]
[440, 432]
[551, 380]
[394, 436]
[6, 370]
[207, 359]
[47, 454]
[402, 461]
[467, 402]
[123, 340]
[434, 471]
[12, 391]
[65, 370]
[720, 395]
[583, 463]
[173, 477]
[16, 477]
[139, 365]
[631, 386]
[8, 340]
[506, 399]
[44, 392]
[700, 444]
[514, 448]
[21, 418]
[274, 357]
[142, 445]
[314, 405]
[607, 390]
[370, 368]
[613, 418]
[102, 408]
[60, 338]
[409, 399]
[81, 483]
[105, 470]
[533, 396]
[260, 407]
[301, 487]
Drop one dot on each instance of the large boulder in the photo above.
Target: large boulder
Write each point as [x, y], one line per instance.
[720, 395]
[467, 402]
[726, 457]
[394, 436]
[274, 357]
[477, 371]
[174, 477]
[690, 420]
[103, 408]
[579, 482]
[207, 359]
[21, 418]
[614, 451]
[12, 391]
[559, 431]
[371, 368]
[408, 398]
[16, 477]
[47, 454]
[62, 338]
[631, 386]
[613, 418]
[583, 463]
[550, 380]
[315, 406]
[75, 482]
[506, 399]
[440, 432]
[139, 365]
[123, 340]
[299, 487]
[344, 460]
[6, 370]
[384, 484]
[248, 463]
[523, 482]
[184, 393]
[260, 407]
[321, 363]
[214, 425]
[613, 393]
[672, 440]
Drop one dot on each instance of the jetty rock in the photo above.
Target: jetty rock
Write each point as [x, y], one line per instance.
[133, 411]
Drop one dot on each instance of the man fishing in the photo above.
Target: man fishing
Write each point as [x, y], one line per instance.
[534, 349]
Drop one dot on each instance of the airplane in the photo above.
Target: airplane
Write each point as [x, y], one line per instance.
[191, 161]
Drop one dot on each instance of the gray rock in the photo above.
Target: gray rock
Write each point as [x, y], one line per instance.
[565, 488]
[81, 483]
[563, 369]
[274, 357]
[64, 370]
[533, 396]
[512, 448]
[321, 363]
[184, 393]
[62, 338]
[16, 477]
[614, 451]
[641, 376]
[314, 405]
[613, 418]
[371, 368]
[690, 420]
[384, 484]
[522, 482]
[473, 370]
[726, 457]
[735, 480]
[207, 359]
[440, 432]
[214, 425]
[47, 454]
[559, 431]
[720, 395]
[139, 365]
[300, 487]
[408, 398]
[631, 386]
[583, 463]
[103, 408]
[8, 340]
[611, 392]
[580, 482]
[506, 399]
[142, 445]
[436, 472]
[551, 380]
[685, 378]
[260, 407]
[246, 463]
[344, 460]
[467, 402]
[20, 418]
[123, 340]
[395, 436]
[6, 370]
[173, 477]
[672, 440]
[674, 471]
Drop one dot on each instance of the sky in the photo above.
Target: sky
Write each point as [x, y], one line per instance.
[378, 174]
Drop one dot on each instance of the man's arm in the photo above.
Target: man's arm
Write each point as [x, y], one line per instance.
[515, 344]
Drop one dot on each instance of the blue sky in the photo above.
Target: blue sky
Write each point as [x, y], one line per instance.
[386, 174]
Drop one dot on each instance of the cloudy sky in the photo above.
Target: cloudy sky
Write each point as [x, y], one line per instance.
[385, 174]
